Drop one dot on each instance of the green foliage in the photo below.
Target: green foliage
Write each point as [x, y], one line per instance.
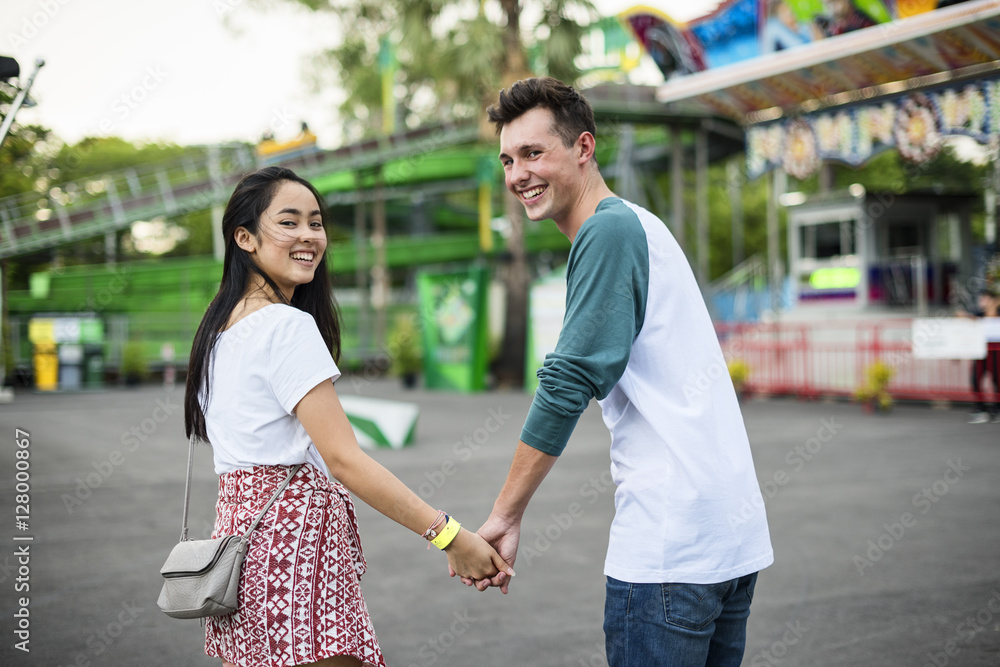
[92, 156]
[993, 274]
[48, 164]
[875, 390]
[22, 159]
[947, 173]
[739, 371]
[134, 363]
[6, 349]
[404, 346]
[720, 207]
[449, 55]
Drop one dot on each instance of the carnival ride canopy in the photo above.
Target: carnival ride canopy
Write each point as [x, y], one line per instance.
[738, 30]
[841, 80]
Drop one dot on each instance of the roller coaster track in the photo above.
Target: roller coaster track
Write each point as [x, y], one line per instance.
[92, 207]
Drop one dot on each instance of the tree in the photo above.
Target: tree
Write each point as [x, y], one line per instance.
[946, 173]
[21, 160]
[447, 60]
[43, 164]
[444, 58]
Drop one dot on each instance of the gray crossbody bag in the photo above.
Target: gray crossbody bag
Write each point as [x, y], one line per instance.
[202, 577]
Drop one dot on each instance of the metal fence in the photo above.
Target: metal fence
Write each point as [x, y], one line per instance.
[831, 359]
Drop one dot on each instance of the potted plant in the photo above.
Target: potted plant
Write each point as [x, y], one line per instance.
[739, 371]
[405, 351]
[873, 394]
[134, 366]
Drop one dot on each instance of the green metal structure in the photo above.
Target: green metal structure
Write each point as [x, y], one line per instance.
[440, 168]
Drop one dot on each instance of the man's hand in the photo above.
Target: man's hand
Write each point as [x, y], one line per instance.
[503, 529]
[503, 535]
[469, 553]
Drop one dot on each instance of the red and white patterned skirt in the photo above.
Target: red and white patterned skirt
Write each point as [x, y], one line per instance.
[300, 594]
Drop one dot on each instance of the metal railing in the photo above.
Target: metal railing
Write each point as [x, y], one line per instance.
[94, 206]
[831, 359]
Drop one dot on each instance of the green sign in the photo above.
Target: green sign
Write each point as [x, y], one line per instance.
[453, 316]
[91, 330]
[835, 277]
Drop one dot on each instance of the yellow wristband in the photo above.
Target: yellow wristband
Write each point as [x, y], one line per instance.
[447, 534]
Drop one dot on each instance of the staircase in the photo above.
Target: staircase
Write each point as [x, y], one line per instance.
[742, 293]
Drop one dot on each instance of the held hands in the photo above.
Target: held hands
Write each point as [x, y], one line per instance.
[470, 556]
[503, 535]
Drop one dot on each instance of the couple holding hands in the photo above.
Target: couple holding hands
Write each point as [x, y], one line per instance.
[683, 555]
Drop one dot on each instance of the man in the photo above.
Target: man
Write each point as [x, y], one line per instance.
[689, 533]
[989, 307]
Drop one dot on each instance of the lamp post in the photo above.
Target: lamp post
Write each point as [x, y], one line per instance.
[19, 100]
[8, 70]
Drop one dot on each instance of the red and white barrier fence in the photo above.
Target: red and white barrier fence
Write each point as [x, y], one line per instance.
[811, 359]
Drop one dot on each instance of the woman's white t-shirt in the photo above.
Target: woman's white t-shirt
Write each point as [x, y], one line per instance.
[261, 368]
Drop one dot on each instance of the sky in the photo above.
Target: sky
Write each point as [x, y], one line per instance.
[187, 71]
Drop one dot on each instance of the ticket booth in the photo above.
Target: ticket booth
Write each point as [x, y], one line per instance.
[878, 250]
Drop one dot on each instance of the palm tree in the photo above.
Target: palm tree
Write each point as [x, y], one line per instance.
[449, 61]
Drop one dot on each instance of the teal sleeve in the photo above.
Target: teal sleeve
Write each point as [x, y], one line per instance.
[607, 280]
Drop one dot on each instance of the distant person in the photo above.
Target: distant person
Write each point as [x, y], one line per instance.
[841, 16]
[260, 391]
[306, 135]
[690, 532]
[989, 306]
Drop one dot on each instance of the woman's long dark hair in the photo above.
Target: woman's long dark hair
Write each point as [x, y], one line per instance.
[250, 199]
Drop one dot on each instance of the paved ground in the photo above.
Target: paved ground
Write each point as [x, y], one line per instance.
[886, 530]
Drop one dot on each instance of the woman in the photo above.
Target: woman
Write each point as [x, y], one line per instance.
[259, 390]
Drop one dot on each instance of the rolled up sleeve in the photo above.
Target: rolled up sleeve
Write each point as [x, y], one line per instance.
[606, 284]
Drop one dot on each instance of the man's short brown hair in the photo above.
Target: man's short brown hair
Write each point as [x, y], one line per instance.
[571, 112]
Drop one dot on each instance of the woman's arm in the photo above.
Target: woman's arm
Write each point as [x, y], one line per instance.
[323, 417]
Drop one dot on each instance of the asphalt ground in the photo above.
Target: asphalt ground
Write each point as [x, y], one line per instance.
[886, 530]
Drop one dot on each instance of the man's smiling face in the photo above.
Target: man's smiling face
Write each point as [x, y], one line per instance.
[539, 168]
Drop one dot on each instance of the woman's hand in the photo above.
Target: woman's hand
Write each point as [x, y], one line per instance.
[469, 555]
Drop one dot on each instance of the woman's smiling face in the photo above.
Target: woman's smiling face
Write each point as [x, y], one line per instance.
[291, 239]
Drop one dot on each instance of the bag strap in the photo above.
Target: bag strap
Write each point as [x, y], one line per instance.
[187, 493]
[187, 489]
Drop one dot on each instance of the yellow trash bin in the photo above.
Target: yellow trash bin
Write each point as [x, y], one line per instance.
[46, 367]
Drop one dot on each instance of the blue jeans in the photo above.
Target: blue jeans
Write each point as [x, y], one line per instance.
[677, 625]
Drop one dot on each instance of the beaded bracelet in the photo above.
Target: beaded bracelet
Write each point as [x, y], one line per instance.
[448, 533]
